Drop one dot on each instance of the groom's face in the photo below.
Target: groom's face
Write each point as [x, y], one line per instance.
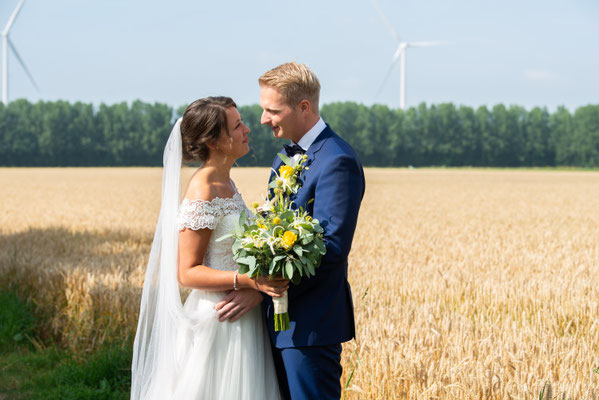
[283, 119]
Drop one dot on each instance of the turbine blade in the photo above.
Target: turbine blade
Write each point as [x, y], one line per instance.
[14, 50]
[425, 44]
[386, 21]
[395, 58]
[12, 17]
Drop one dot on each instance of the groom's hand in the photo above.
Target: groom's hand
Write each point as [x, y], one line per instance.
[235, 304]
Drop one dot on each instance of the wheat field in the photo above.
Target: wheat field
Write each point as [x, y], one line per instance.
[467, 283]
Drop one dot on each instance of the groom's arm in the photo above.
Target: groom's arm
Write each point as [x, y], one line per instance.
[337, 199]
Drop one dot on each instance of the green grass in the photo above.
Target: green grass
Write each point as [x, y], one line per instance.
[29, 370]
[16, 321]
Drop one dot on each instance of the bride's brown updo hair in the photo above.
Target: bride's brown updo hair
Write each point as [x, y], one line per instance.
[203, 122]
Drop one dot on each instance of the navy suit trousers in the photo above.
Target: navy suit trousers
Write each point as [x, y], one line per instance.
[309, 372]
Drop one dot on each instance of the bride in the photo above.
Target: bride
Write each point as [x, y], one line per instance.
[187, 351]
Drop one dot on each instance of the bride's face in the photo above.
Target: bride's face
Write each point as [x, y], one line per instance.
[235, 144]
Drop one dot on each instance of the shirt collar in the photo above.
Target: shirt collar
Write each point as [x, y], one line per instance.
[312, 134]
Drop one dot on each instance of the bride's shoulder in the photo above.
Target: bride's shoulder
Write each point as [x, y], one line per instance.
[200, 188]
[203, 187]
[198, 209]
[205, 202]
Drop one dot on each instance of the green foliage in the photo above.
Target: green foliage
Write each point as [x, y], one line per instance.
[104, 374]
[16, 321]
[64, 134]
[38, 372]
[52, 373]
[280, 240]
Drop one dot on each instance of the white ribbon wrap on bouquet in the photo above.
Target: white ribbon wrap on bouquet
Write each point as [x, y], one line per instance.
[281, 303]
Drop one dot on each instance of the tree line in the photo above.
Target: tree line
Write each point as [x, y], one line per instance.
[60, 133]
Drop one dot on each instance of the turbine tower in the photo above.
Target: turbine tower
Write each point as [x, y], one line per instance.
[6, 42]
[400, 54]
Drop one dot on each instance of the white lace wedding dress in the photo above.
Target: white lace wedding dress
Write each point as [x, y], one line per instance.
[219, 360]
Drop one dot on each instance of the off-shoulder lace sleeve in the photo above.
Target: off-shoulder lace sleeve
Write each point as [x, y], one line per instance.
[202, 214]
[197, 214]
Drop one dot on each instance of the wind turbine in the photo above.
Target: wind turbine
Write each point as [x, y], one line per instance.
[400, 54]
[5, 43]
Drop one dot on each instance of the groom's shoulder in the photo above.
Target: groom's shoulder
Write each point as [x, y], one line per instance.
[336, 145]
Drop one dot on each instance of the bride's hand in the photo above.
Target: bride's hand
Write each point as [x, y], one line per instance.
[274, 286]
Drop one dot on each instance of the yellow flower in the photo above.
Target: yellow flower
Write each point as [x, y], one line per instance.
[276, 220]
[289, 239]
[308, 218]
[261, 225]
[285, 171]
[255, 204]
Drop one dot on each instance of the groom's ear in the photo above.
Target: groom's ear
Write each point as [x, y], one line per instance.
[305, 106]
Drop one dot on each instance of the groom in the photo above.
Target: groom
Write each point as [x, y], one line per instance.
[307, 356]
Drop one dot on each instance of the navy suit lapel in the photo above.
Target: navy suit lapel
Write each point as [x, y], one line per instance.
[305, 192]
[315, 148]
[312, 153]
[317, 145]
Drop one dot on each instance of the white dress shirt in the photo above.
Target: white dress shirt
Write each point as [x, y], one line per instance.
[311, 135]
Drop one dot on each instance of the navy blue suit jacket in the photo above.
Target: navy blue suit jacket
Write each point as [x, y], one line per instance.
[321, 308]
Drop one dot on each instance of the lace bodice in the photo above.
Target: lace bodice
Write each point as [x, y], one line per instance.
[219, 215]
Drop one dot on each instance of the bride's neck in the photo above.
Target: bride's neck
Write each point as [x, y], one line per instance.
[219, 168]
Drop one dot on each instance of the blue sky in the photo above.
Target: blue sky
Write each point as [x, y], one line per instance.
[525, 52]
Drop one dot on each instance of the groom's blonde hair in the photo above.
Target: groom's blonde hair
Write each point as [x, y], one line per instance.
[295, 82]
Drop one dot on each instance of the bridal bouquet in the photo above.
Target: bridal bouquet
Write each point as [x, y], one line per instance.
[279, 240]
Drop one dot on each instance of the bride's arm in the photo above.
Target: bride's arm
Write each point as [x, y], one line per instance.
[193, 274]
